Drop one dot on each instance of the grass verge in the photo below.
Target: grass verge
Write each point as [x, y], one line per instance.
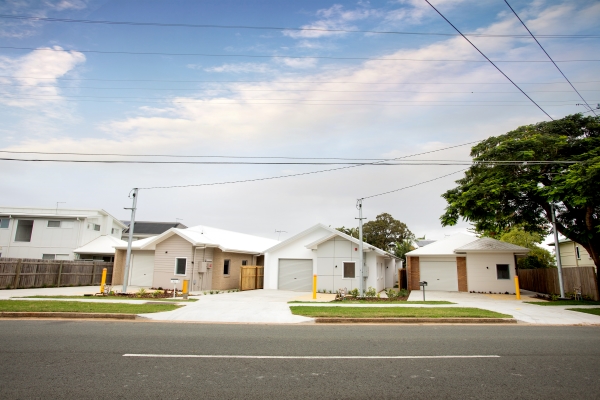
[376, 302]
[81, 307]
[107, 298]
[564, 303]
[594, 311]
[394, 312]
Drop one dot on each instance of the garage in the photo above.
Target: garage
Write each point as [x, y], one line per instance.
[295, 275]
[142, 268]
[440, 274]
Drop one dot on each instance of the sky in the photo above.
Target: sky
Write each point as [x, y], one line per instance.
[238, 88]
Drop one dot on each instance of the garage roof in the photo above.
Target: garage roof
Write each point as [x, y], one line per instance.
[490, 245]
[463, 243]
[101, 245]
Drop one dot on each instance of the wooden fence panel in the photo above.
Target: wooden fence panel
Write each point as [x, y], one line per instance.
[33, 273]
[251, 277]
[545, 280]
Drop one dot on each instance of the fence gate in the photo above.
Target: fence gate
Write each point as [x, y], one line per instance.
[251, 277]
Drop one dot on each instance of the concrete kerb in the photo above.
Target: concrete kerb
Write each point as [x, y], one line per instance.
[66, 315]
[322, 320]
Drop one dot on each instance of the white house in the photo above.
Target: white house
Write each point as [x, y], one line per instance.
[209, 257]
[464, 263]
[57, 233]
[330, 254]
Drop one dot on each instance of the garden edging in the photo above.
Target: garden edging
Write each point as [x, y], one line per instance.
[325, 320]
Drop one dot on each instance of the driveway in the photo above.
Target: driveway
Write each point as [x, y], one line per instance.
[507, 304]
[252, 306]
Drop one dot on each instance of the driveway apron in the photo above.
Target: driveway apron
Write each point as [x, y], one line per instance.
[253, 306]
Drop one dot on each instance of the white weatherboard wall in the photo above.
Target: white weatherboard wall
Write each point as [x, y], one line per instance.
[482, 275]
[164, 261]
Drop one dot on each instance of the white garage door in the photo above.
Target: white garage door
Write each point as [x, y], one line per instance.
[439, 275]
[142, 269]
[295, 275]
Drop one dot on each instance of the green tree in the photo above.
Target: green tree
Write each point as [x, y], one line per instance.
[403, 247]
[538, 257]
[496, 196]
[384, 232]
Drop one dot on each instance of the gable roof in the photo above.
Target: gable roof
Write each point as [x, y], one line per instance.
[227, 241]
[101, 245]
[489, 245]
[463, 243]
[332, 233]
[152, 228]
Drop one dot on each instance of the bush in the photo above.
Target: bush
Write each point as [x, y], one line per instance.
[354, 292]
[157, 293]
[141, 292]
[371, 292]
[391, 293]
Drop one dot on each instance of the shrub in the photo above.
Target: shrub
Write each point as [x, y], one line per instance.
[157, 293]
[371, 292]
[141, 292]
[402, 293]
[391, 293]
[354, 292]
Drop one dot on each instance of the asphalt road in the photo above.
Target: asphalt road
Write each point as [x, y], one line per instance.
[71, 360]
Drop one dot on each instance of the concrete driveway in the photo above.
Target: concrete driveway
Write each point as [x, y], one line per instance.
[252, 306]
[519, 309]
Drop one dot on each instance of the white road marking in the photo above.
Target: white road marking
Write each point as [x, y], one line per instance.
[300, 357]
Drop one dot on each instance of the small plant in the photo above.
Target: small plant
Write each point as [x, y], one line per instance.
[204, 293]
[160, 288]
[157, 293]
[371, 292]
[378, 295]
[390, 293]
[330, 292]
[141, 292]
[211, 292]
[354, 292]
[402, 293]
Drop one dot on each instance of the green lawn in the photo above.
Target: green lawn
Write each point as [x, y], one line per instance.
[179, 299]
[395, 312]
[83, 307]
[377, 302]
[594, 311]
[564, 303]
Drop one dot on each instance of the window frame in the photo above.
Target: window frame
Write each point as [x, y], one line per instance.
[7, 223]
[498, 272]
[344, 269]
[577, 253]
[244, 263]
[227, 267]
[17, 231]
[175, 270]
[54, 221]
[48, 256]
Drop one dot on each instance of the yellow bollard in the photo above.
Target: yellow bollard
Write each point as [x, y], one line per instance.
[103, 281]
[186, 283]
[314, 287]
[517, 291]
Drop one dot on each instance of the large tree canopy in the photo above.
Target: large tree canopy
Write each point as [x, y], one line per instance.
[538, 257]
[495, 196]
[383, 232]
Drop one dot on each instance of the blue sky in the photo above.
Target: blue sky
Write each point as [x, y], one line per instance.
[255, 99]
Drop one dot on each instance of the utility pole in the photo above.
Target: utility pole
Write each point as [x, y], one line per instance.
[557, 251]
[279, 233]
[360, 248]
[131, 225]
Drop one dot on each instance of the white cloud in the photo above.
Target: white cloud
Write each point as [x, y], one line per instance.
[300, 63]
[240, 68]
[22, 90]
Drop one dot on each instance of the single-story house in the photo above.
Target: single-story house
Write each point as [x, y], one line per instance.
[573, 255]
[331, 255]
[464, 263]
[209, 257]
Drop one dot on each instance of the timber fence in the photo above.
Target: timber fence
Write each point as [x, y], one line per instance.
[251, 277]
[545, 280]
[22, 273]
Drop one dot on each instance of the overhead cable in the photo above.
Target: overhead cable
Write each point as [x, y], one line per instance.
[307, 29]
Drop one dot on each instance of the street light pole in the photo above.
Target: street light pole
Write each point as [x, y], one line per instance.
[557, 251]
[131, 225]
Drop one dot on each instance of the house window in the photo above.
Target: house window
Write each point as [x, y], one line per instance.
[226, 267]
[180, 266]
[24, 230]
[577, 252]
[53, 224]
[48, 256]
[502, 271]
[349, 270]
[94, 227]
[4, 223]
[244, 262]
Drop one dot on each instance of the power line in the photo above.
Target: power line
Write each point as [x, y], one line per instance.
[154, 53]
[490, 61]
[283, 90]
[544, 50]
[285, 82]
[159, 24]
[416, 184]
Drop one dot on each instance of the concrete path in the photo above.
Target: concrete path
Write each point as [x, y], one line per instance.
[252, 306]
[507, 304]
